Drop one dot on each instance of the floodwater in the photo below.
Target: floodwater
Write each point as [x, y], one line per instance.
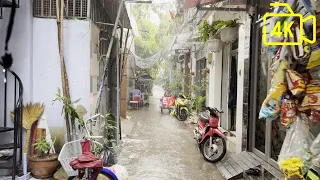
[159, 147]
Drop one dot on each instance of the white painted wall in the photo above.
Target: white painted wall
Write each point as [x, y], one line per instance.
[20, 46]
[214, 92]
[46, 64]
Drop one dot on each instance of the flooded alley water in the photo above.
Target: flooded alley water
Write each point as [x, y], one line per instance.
[159, 147]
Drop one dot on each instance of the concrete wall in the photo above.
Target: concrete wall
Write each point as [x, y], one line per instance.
[46, 67]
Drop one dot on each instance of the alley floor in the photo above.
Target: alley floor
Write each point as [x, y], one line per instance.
[159, 147]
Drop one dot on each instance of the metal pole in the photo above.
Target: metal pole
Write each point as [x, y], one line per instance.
[108, 56]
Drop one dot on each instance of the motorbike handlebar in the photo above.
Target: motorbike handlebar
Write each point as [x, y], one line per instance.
[214, 109]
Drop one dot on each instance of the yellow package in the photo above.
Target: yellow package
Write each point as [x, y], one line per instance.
[280, 75]
[314, 59]
[312, 98]
[292, 166]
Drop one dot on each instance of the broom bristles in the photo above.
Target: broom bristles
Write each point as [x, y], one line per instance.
[31, 113]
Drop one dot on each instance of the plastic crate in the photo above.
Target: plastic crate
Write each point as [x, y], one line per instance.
[69, 152]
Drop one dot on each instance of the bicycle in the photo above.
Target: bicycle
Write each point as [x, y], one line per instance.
[72, 150]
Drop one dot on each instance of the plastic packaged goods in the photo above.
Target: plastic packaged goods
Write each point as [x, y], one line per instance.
[295, 155]
[314, 59]
[288, 110]
[296, 83]
[280, 75]
[312, 99]
[271, 105]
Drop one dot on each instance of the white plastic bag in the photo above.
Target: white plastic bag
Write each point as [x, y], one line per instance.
[315, 150]
[295, 156]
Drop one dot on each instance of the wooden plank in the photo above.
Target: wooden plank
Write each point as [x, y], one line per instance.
[235, 166]
[275, 172]
[254, 161]
[223, 170]
[242, 165]
[245, 161]
[229, 168]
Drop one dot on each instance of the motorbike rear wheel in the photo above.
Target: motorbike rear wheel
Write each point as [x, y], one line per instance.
[183, 115]
[161, 110]
[213, 157]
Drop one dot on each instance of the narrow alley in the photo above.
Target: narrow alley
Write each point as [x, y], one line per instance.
[158, 146]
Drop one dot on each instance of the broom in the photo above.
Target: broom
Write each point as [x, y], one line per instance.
[31, 113]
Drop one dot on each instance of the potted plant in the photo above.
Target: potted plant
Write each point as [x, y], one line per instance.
[228, 30]
[210, 33]
[44, 164]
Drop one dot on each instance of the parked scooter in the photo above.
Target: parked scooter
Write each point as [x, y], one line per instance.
[181, 109]
[211, 141]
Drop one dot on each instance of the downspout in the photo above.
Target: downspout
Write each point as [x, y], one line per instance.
[118, 87]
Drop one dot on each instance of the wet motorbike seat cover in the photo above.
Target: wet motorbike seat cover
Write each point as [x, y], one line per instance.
[203, 116]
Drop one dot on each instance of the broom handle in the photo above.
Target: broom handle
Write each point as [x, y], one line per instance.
[26, 148]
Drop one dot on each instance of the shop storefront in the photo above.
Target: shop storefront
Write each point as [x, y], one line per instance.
[267, 136]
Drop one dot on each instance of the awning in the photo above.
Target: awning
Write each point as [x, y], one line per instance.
[225, 3]
[193, 3]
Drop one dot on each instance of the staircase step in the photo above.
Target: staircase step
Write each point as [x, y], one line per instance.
[6, 129]
[7, 164]
[8, 146]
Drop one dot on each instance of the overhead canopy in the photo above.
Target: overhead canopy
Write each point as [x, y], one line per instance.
[193, 3]
[225, 3]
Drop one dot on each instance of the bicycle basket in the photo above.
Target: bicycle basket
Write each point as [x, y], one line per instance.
[69, 152]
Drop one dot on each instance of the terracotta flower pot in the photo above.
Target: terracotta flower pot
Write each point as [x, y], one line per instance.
[44, 167]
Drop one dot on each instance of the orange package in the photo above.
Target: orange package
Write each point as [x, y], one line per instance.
[296, 83]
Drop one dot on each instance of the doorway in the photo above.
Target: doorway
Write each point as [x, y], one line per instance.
[229, 87]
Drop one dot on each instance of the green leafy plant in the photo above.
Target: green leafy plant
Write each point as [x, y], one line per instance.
[229, 23]
[70, 110]
[206, 30]
[109, 131]
[43, 146]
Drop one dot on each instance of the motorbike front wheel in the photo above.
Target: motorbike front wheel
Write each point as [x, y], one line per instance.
[216, 152]
[183, 115]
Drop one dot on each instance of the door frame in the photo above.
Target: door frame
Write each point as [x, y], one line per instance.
[253, 101]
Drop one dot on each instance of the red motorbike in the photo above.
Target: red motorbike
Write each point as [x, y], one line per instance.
[211, 141]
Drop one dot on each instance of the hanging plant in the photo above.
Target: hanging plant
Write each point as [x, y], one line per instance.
[208, 31]
[228, 30]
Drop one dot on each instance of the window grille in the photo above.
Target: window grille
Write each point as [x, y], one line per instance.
[73, 8]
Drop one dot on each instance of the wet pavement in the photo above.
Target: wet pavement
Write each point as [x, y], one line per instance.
[159, 147]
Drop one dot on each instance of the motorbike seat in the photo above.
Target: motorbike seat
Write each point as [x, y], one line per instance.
[203, 116]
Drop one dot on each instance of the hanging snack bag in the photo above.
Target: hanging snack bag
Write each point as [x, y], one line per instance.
[312, 99]
[295, 156]
[304, 7]
[270, 108]
[301, 53]
[288, 111]
[314, 59]
[280, 75]
[315, 73]
[282, 54]
[296, 83]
